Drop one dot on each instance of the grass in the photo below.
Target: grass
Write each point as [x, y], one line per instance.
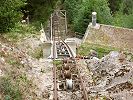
[9, 90]
[14, 62]
[84, 49]
[37, 53]
[58, 63]
[20, 31]
[23, 77]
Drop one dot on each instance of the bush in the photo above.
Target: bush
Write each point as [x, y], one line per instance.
[58, 64]
[122, 20]
[10, 13]
[20, 31]
[80, 13]
[37, 53]
[10, 91]
[40, 10]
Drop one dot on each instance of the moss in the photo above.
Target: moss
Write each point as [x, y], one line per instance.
[84, 49]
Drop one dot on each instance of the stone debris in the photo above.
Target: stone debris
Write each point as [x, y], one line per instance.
[111, 74]
[1, 73]
[93, 53]
[63, 95]
[37, 71]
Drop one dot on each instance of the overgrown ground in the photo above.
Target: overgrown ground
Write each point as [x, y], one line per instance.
[20, 31]
[102, 50]
[84, 50]
[22, 71]
[14, 84]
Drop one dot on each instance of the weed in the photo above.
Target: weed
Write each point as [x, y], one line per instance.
[42, 70]
[20, 31]
[14, 62]
[10, 91]
[38, 53]
[84, 49]
[58, 63]
[23, 77]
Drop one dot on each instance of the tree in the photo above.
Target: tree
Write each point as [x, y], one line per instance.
[114, 5]
[71, 7]
[40, 10]
[10, 13]
[124, 16]
[79, 13]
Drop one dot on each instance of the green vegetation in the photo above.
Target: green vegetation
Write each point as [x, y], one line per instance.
[40, 10]
[14, 85]
[84, 49]
[14, 62]
[23, 78]
[58, 63]
[112, 12]
[10, 13]
[20, 31]
[79, 13]
[10, 90]
[37, 53]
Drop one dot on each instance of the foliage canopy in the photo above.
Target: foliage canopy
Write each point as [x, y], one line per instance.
[10, 13]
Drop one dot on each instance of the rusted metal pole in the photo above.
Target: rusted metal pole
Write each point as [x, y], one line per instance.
[55, 92]
[51, 28]
[54, 72]
[82, 86]
[65, 25]
[55, 84]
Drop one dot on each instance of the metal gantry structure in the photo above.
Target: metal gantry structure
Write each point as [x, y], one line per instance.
[69, 75]
[58, 24]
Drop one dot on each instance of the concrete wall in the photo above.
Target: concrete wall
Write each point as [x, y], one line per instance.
[47, 50]
[110, 35]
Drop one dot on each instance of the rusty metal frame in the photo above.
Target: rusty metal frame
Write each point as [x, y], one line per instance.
[53, 38]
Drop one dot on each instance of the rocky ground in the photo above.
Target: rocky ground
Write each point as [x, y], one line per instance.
[105, 78]
[15, 60]
[108, 77]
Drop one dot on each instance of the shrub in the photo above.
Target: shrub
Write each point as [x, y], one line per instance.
[79, 13]
[37, 53]
[10, 91]
[20, 31]
[10, 13]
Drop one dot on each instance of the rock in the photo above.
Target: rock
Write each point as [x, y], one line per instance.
[122, 57]
[1, 73]
[93, 53]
